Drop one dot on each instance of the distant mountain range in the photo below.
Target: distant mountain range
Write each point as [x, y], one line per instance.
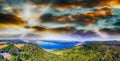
[13, 41]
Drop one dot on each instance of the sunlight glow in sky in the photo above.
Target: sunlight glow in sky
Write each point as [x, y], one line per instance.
[58, 21]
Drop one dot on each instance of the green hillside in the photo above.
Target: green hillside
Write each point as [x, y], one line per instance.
[32, 52]
[95, 51]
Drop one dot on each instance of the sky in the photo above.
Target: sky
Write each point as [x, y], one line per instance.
[71, 20]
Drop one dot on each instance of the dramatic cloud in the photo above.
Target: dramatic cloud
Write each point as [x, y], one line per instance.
[87, 18]
[68, 4]
[60, 19]
[7, 20]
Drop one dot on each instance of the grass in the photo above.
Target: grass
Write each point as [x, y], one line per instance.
[19, 45]
[56, 52]
[3, 45]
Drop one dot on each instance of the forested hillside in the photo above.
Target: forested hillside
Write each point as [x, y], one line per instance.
[94, 51]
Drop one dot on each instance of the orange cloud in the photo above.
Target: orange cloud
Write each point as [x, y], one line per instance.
[7, 21]
[87, 18]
